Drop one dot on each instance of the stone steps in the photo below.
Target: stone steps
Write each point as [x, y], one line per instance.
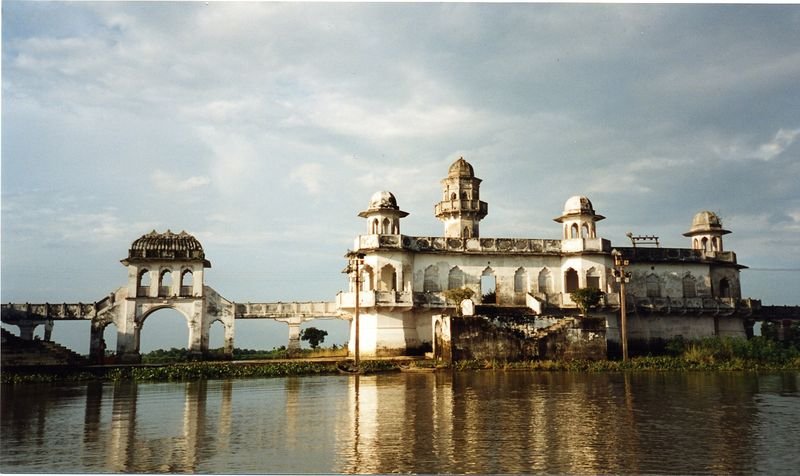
[21, 352]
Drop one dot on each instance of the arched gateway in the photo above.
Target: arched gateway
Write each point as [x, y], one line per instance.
[165, 270]
[154, 262]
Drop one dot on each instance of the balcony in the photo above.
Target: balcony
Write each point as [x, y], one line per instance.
[392, 299]
[451, 206]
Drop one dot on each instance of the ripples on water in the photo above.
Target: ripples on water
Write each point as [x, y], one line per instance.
[468, 422]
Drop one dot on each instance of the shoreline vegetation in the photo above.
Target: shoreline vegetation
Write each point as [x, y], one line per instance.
[711, 354]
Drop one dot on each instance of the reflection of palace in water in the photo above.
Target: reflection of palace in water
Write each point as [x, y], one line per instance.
[500, 422]
[462, 422]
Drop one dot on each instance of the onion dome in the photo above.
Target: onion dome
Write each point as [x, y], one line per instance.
[381, 202]
[461, 168]
[167, 246]
[706, 222]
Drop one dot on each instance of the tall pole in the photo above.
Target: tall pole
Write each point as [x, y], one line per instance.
[623, 317]
[358, 302]
[622, 277]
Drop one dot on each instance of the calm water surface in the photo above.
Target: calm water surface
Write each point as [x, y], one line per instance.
[484, 422]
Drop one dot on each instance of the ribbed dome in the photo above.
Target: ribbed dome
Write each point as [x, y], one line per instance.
[167, 246]
[383, 200]
[461, 168]
[704, 222]
[578, 204]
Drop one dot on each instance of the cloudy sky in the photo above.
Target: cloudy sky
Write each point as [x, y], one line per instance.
[264, 128]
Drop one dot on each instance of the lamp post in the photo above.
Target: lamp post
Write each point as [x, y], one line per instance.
[622, 277]
[356, 259]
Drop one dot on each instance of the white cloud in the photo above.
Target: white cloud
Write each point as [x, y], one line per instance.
[309, 175]
[782, 140]
[740, 147]
[169, 183]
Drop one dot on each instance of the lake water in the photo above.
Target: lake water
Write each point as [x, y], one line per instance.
[465, 422]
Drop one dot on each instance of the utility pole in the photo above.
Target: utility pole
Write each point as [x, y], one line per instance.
[355, 260]
[622, 278]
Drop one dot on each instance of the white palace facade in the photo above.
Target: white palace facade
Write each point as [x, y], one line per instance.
[693, 292]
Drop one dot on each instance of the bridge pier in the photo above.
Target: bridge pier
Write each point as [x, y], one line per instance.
[26, 329]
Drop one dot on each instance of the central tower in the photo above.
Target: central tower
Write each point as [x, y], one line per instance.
[461, 208]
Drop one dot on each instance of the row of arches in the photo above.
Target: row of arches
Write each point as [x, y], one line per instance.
[457, 278]
[705, 243]
[165, 284]
[385, 226]
[585, 230]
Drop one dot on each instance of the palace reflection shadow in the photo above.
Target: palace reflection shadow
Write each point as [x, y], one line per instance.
[453, 422]
[129, 446]
[523, 422]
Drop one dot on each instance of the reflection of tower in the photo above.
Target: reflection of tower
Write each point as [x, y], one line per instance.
[225, 412]
[461, 208]
[91, 419]
[184, 452]
[122, 440]
[292, 406]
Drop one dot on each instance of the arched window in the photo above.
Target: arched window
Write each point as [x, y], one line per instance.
[143, 283]
[187, 282]
[696, 244]
[584, 231]
[453, 196]
[571, 280]
[374, 229]
[388, 279]
[367, 278]
[455, 278]
[386, 226]
[653, 286]
[716, 244]
[704, 243]
[724, 288]
[574, 231]
[488, 286]
[165, 283]
[464, 195]
[396, 226]
[689, 286]
[545, 281]
[466, 232]
[431, 279]
[520, 280]
[592, 278]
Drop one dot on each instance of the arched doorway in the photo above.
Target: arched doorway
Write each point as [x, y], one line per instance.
[488, 286]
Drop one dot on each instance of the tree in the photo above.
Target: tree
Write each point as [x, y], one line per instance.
[585, 298]
[456, 295]
[314, 336]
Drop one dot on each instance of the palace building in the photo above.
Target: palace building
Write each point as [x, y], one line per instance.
[692, 292]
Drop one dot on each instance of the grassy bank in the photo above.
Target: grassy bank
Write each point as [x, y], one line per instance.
[178, 372]
[713, 354]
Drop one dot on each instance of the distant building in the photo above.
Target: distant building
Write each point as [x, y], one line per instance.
[693, 292]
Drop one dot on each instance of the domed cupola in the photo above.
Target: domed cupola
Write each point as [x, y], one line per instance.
[155, 258]
[383, 215]
[460, 168]
[579, 218]
[167, 246]
[461, 208]
[706, 232]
